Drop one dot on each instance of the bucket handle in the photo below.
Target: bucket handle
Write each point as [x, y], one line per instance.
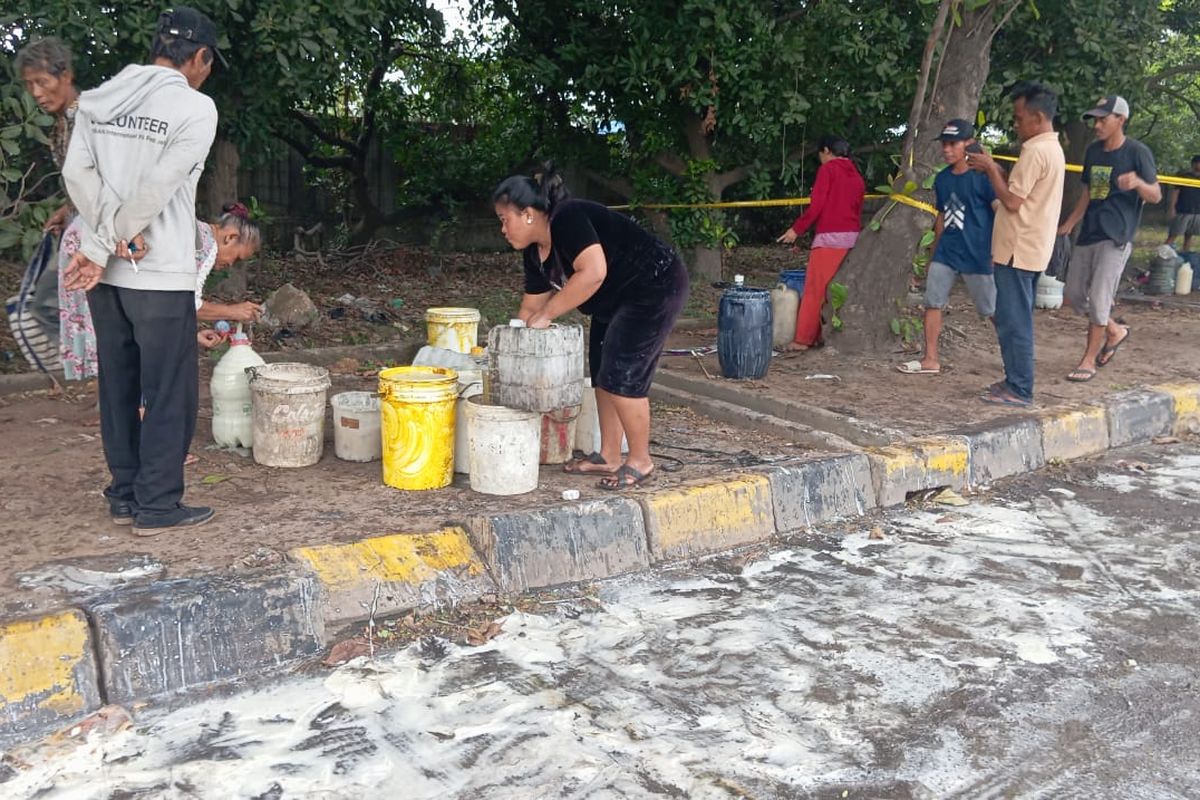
[465, 387]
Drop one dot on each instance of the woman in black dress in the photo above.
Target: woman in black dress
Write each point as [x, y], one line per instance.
[578, 254]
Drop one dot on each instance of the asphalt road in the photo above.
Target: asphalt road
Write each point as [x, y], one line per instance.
[1040, 642]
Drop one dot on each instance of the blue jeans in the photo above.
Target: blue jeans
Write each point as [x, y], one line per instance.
[1015, 290]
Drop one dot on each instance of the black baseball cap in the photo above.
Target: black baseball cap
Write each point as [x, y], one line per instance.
[194, 26]
[956, 130]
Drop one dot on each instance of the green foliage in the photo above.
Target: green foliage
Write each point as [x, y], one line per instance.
[838, 293]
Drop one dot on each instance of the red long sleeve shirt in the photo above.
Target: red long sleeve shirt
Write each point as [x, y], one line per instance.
[837, 199]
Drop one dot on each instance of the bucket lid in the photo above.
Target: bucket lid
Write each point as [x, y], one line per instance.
[451, 314]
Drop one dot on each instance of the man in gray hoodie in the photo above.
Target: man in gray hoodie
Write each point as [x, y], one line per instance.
[135, 159]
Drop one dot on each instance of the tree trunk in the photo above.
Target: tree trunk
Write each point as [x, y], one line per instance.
[878, 271]
[221, 182]
[706, 263]
[1077, 135]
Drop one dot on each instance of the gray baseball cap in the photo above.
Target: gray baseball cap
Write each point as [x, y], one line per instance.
[1110, 104]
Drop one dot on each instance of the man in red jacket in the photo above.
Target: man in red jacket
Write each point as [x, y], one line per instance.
[835, 210]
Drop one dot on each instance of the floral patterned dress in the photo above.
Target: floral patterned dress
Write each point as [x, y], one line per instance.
[76, 336]
[79, 351]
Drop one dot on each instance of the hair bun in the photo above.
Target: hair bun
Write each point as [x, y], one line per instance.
[238, 210]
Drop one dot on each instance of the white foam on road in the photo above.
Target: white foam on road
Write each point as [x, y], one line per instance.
[838, 660]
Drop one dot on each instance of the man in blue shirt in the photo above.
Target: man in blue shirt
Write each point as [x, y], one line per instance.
[966, 214]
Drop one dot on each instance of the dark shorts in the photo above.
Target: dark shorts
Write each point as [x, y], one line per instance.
[624, 348]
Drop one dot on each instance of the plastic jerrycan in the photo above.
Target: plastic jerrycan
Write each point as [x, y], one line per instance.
[785, 302]
[1183, 279]
[233, 414]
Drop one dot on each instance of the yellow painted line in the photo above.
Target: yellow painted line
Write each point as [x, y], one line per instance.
[38, 659]
[733, 510]
[1186, 397]
[935, 454]
[399, 558]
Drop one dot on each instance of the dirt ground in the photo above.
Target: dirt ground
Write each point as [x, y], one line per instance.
[1164, 346]
[52, 472]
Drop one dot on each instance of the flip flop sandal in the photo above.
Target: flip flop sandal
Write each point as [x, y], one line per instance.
[618, 481]
[1081, 375]
[915, 368]
[992, 389]
[572, 467]
[1101, 361]
[1006, 398]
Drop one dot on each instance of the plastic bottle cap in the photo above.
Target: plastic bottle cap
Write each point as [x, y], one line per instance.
[477, 350]
[516, 323]
[738, 280]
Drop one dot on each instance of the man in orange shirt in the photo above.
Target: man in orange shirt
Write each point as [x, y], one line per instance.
[1023, 236]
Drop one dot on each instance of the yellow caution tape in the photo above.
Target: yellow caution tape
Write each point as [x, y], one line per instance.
[899, 198]
[1170, 180]
[776, 203]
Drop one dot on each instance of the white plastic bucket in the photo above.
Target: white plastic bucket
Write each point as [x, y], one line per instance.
[289, 413]
[503, 449]
[356, 426]
[470, 383]
[587, 427]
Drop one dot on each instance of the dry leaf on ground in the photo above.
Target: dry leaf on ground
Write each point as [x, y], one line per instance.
[483, 635]
[345, 651]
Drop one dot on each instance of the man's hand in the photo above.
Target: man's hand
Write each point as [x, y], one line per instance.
[58, 220]
[244, 312]
[788, 237]
[133, 251]
[981, 162]
[81, 273]
[1129, 181]
[208, 338]
[538, 320]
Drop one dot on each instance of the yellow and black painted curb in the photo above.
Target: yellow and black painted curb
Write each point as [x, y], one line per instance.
[172, 638]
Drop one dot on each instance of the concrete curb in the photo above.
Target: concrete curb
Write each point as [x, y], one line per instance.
[929, 463]
[696, 520]
[565, 544]
[174, 637]
[47, 673]
[807, 494]
[193, 633]
[383, 575]
[1003, 447]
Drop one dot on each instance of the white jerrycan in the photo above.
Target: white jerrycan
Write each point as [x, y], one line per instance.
[233, 414]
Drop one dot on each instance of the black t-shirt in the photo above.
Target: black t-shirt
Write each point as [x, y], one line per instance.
[1189, 197]
[634, 256]
[1113, 214]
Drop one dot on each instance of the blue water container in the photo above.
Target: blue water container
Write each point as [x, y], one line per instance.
[794, 279]
[744, 330]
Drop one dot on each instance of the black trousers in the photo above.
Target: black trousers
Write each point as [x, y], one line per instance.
[146, 346]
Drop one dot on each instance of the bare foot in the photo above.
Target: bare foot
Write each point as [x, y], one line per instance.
[795, 347]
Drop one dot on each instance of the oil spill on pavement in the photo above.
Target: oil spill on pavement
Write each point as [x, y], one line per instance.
[1040, 644]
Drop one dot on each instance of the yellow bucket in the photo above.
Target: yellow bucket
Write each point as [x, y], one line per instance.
[452, 328]
[417, 412]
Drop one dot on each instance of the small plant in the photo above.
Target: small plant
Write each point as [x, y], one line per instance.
[907, 328]
[837, 298]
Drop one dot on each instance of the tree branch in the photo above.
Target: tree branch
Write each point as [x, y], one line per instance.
[619, 186]
[914, 115]
[1160, 77]
[306, 152]
[312, 126]
[671, 163]
[723, 180]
